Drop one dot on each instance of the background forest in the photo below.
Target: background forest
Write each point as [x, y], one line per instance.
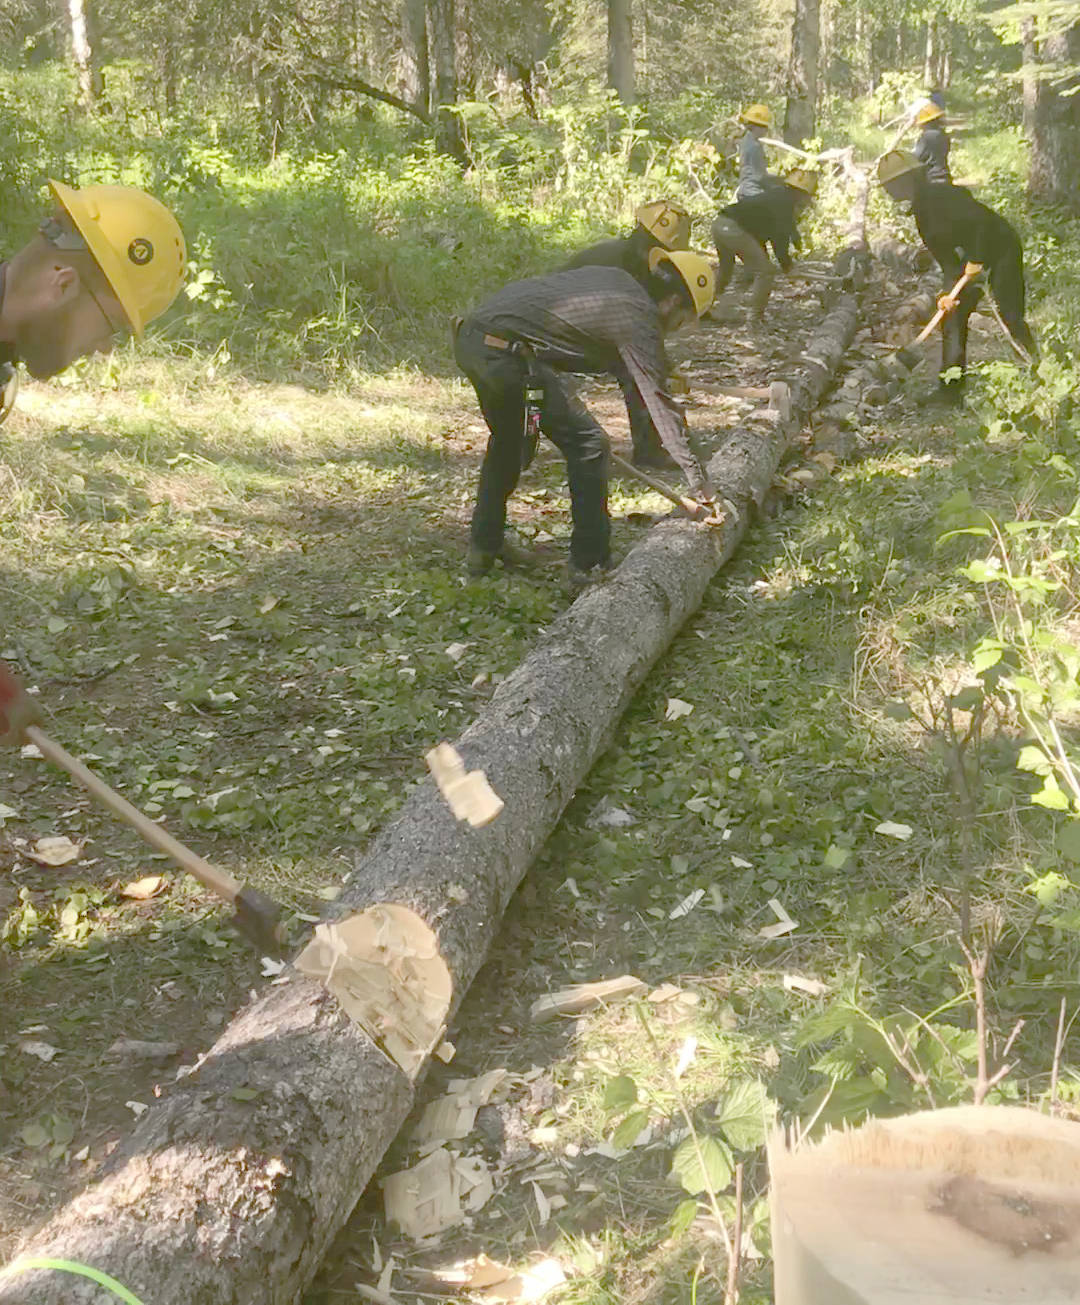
[349, 173]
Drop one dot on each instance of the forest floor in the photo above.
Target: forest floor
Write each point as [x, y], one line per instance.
[238, 602]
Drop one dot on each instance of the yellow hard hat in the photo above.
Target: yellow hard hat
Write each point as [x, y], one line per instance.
[895, 164]
[668, 223]
[695, 270]
[801, 179]
[757, 115]
[929, 112]
[135, 241]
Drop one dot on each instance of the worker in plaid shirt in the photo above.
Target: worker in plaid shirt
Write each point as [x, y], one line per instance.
[598, 320]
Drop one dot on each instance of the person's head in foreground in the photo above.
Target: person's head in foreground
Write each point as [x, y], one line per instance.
[682, 285]
[105, 263]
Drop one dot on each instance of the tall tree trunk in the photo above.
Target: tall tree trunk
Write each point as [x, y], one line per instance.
[82, 53]
[1029, 84]
[620, 49]
[1055, 139]
[864, 48]
[465, 45]
[443, 15]
[799, 119]
[416, 67]
[930, 53]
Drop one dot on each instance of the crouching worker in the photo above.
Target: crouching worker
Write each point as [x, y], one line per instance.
[105, 263]
[659, 225]
[515, 348]
[744, 228]
[956, 228]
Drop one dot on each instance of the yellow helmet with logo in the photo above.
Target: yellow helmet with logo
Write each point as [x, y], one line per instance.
[135, 241]
[895, 164]
[802, 179]
[666, 222]
[695, 270]
[929, 112]
[757, 115]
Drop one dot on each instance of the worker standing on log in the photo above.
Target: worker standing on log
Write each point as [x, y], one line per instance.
[106, 262]
[659, 225]
[956, 228]
[932, 147]
[514, 349]
[754, 176]
[744, 228]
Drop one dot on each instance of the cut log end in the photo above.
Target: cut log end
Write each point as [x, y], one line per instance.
[384, 967]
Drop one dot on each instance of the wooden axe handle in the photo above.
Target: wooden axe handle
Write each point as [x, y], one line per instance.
[690, 505]
[971, 271]
[218, 881]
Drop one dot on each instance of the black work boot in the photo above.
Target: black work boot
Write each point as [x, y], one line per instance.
[480, 561]
[579, 578]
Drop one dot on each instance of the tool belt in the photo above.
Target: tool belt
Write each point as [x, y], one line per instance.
[533, 390]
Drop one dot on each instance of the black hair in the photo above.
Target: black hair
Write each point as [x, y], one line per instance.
[666, 279]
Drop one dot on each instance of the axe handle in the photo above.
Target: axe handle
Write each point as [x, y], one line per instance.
[218, 881]
[690, 505]
[971, 271]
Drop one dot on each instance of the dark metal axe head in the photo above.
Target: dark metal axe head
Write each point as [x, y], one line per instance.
[258, 918]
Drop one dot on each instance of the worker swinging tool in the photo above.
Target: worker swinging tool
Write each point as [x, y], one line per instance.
[960, 232]
[106, 262]
[657, 225]
[597, 320]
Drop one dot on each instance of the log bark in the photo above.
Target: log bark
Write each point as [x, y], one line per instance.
[229, 1190]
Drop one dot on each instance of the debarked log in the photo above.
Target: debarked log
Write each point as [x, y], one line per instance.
[229, 1189]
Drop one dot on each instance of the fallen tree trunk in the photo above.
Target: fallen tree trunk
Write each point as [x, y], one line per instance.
[229, 1190]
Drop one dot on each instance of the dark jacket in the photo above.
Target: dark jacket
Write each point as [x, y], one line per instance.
[932, 148]
[954, 226]
[631, 253]
[594, 319]
[769, 218]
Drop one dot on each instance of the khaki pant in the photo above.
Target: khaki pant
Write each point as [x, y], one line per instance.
[733, 242]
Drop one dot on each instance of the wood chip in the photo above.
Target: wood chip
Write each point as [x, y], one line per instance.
[140, 890]
[436, 1193]
[468, 794]
[55, 850]
[812, 987]
[584, 996]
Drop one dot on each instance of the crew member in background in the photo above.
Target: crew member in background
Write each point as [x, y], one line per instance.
[106, 262]
[956, 228]
[514, 349]
[659, 225]
[744, 228]
[932, 147]
[754, 176]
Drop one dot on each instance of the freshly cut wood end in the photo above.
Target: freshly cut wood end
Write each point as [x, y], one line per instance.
[584, 996]
[952, 1207]
[467, 793]
[998, 1142]
[384, 967]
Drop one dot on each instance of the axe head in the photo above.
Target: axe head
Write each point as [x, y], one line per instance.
[17, 708]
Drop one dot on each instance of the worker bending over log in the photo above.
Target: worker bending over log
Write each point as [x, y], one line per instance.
[956, 228]
[744, 228]
[659, 225]
[515, 349]
[105, 263]
[932, 147]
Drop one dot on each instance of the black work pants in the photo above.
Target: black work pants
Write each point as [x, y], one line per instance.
[1007, 287]
[498, 377]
